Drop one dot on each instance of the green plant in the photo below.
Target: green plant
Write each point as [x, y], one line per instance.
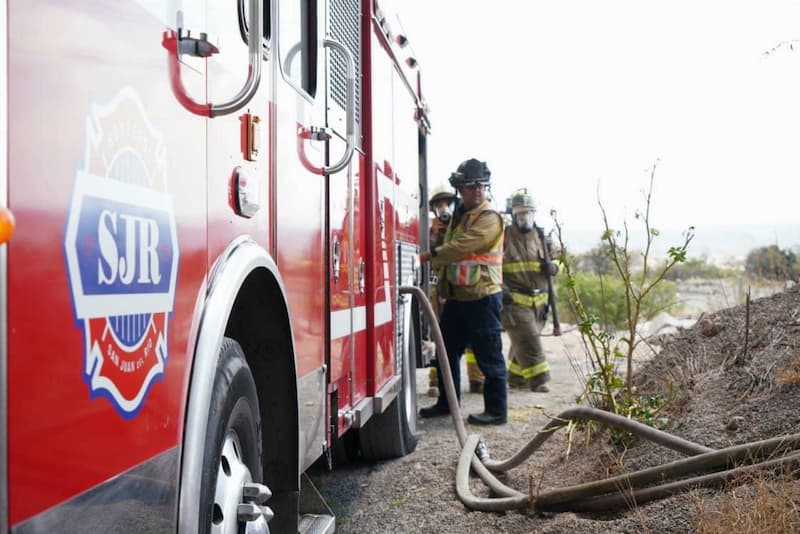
[605, 387]
[604, 296]
[643, 409]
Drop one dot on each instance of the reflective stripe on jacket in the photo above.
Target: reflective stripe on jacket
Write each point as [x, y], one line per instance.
[523, 277]
[522, 267]
[530, 301]
[468, 270]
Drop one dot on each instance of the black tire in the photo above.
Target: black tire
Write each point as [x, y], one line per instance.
[392, 434]
[344, 450]
[232, 454]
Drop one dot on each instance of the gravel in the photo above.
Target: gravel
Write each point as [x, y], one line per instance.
[722, 394]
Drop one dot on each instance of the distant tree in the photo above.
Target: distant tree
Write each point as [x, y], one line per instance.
[596, 261]
[772, 263]
[696, 268]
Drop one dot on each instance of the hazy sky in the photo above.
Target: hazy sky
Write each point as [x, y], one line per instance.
[565, 96]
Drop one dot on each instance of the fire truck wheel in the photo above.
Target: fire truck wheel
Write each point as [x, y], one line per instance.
[232, 457]
[344, 450]
[391, 434]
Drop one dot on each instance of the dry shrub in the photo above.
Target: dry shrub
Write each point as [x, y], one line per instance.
[762, 504]
[789, 374]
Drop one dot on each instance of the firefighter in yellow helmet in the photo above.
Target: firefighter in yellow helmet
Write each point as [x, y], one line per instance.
[525, 294]
[441, 203]
[472, 258]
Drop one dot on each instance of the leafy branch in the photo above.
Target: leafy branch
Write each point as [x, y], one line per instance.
[638, 285]
[604, 386]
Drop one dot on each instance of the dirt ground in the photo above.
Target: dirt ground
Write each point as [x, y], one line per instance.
[731, 378]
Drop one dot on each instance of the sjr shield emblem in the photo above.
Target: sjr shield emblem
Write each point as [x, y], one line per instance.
[121, 249]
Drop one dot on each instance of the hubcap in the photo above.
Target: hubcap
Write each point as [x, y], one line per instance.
[234, 489]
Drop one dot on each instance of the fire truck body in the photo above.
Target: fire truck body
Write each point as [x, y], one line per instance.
[201, 291]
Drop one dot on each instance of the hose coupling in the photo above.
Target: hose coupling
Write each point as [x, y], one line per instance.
[482, 450]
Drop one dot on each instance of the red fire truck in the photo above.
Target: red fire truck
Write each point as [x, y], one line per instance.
[207, 210]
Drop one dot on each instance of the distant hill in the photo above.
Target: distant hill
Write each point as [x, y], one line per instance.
[719, 243]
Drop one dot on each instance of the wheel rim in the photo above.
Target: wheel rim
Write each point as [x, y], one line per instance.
[410, 390]
[232, 475]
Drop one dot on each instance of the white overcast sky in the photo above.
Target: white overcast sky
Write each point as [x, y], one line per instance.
[563, 96]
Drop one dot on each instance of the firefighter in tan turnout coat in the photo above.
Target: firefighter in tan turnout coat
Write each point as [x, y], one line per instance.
[525, 295]
[442, 204]
[472, 258]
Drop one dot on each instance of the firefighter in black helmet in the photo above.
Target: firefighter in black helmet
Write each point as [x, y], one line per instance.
[472, 258]
[442, 204]
[525, 294]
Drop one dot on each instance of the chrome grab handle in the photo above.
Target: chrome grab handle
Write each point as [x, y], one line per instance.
[254, 61]
[350, 134]
[336, 259]
[361, 283]
[172, 41]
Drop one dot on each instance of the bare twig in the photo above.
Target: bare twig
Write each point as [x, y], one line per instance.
[791, 45]
[746, 324]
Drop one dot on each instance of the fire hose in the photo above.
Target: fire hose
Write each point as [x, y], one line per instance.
[710, 467]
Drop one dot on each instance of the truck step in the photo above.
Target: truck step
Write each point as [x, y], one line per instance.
[316, 524]
[316, 516]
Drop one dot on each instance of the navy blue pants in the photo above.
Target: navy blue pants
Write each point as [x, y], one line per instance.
[477, 324]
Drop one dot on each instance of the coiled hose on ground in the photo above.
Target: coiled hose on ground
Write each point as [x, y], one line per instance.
[710, 467]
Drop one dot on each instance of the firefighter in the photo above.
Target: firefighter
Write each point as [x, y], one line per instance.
[525, 294]
[472, 257]
[442, 203]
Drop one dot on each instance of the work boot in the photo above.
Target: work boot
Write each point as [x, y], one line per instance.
[515, 381]
[436, 410]
[486, 418]
[538, 383]
[476, 386]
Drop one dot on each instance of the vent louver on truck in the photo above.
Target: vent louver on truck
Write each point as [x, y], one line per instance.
[344, 26]
[405, 274]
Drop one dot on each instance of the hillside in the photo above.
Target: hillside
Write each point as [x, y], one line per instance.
[721, 395]
[723, 392]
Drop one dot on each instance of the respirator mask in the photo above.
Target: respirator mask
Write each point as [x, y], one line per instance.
[524, 221]
[444, 212]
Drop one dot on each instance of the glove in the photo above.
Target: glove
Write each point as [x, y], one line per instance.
[552, 268]
[541, 315]
[507, 298]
